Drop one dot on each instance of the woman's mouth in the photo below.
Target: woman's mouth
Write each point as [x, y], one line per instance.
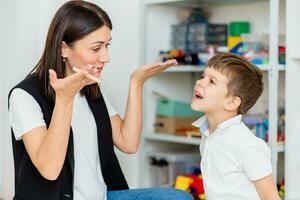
[97, 69]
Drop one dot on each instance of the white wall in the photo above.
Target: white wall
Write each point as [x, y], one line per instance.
[125, 58]
[22, 42]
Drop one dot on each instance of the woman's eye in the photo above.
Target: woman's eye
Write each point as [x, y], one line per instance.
[96, 49]
[211, 81]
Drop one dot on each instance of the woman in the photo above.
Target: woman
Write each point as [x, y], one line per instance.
[64, 128]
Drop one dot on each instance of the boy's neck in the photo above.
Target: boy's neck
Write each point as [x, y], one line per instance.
[214, 120]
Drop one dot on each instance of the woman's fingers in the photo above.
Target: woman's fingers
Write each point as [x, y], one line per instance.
[147, 71]
[88, 72]
[158, 67]
[52, 76]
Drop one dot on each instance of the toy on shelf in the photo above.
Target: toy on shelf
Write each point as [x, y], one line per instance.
[181, 56]
[192, 184]
[281, 189]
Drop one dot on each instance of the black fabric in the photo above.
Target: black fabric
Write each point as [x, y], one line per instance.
[30, 185]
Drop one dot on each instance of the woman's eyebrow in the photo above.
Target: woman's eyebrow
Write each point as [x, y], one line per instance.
[101, 42]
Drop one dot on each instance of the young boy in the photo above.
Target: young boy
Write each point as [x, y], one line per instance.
[235, 165]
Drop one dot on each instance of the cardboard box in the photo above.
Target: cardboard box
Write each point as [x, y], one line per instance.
[175, 125]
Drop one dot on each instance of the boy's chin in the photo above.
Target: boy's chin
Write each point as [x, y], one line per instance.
[196, 107]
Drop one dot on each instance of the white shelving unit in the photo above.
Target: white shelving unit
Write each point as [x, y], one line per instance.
[292, 159]
[193, 68]
[177, 82]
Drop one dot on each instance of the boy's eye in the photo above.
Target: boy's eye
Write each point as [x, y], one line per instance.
[211, 81]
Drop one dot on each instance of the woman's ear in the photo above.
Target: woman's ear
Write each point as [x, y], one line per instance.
[233, 103]
[64, 50]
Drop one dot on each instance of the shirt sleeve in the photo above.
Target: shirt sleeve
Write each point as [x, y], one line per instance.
[25, 113]
[111, 110]
[257, 160]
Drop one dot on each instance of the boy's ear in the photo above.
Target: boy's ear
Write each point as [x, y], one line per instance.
[233, 103]
[64, 50]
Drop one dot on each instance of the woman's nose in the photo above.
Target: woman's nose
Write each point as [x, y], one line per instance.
[104, 56]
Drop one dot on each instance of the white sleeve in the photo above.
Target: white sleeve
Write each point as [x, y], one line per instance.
[25, 113]
[257, 160]
[111, 110]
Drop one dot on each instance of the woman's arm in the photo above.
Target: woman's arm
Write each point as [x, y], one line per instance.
[47, 148]
[127, 132]
[266, 188]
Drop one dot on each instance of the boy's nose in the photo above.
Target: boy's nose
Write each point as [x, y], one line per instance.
[200, 82]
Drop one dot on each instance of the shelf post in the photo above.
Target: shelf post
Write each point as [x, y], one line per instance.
[292, 103]
[273, 82]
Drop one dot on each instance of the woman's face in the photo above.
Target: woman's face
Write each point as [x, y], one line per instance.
[92, 49]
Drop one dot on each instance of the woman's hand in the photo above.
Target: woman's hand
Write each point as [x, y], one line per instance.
[66, 88]
[147, 71]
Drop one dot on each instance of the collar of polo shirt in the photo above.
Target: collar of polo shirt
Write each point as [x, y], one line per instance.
[202, 124]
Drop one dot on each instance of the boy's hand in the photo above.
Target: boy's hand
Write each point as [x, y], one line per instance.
[266, 188]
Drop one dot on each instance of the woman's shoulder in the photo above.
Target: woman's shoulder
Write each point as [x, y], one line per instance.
[20, 97]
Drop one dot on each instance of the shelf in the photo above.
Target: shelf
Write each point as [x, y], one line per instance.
[186, 68]
[197, 3]
[280, 147]
[172, 138]
[295, 56]
[200, 68]
[186, 140]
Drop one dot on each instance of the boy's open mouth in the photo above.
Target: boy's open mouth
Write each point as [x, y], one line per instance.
[197, 95]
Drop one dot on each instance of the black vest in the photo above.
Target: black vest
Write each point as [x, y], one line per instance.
[30, 185]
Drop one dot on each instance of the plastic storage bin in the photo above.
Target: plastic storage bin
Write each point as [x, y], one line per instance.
[171, 108]
[168, 165]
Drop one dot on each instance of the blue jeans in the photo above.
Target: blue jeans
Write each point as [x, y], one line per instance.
[149, 194]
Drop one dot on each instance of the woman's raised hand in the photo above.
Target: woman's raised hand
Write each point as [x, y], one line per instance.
[147, 71]
[66, 88]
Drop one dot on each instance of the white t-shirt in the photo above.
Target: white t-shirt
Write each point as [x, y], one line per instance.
[232, 158]
[25, 115]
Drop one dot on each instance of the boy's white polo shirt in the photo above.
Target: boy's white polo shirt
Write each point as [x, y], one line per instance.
[232, 158]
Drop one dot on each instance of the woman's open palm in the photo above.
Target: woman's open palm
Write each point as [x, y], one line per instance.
[147, 71]
[69, 86]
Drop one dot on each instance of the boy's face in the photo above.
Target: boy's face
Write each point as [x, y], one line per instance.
[210, 92]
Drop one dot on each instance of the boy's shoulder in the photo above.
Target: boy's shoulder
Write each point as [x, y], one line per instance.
[242, 137]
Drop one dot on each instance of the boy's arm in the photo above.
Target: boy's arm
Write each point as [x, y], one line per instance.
[266, 188]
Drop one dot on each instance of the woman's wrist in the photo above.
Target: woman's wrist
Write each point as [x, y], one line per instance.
[63, 101]
[135, 84]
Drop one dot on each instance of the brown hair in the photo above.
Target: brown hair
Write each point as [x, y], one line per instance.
[73, 20]
[245, 79]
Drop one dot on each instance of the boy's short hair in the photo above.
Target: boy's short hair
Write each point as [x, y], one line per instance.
[245, 79]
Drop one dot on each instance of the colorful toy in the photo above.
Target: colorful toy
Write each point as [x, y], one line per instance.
[281, 189]
[192, 184]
